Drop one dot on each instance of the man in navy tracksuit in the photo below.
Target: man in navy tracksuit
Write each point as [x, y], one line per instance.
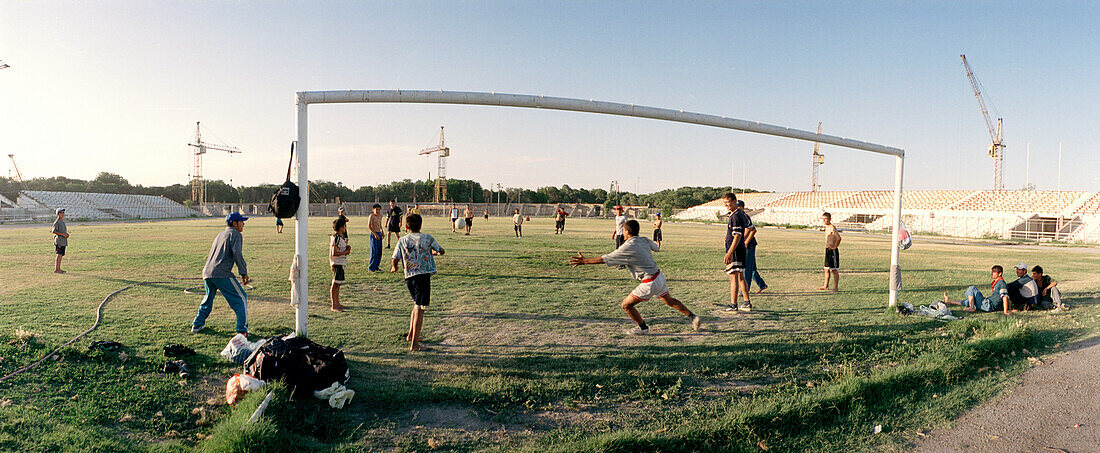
[218, 274]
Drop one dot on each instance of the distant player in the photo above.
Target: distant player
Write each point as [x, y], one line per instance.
[217, 274]
[338, 259]
[394, 225]
[736, 251]
[486, 214]
[657, 236]
[620, 219]
[278, 225]
[60, 239]
[636, 254]
[416, 251]
[454, 217]
[832, 253]
[559, 221]
[415, 209]
[468, 215]
[374, 224]
[517, 224]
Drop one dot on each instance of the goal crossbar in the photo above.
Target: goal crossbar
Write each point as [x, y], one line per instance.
[300, 292]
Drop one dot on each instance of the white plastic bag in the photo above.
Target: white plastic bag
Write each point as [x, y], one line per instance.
[239, 348]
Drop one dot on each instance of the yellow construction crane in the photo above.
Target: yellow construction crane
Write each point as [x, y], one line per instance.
[819, 160]
[441, 174]
[996, 148]
[198, 184]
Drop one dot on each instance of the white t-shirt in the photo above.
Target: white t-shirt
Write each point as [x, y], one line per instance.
[341, 246]
[454, 213]
[619, 221]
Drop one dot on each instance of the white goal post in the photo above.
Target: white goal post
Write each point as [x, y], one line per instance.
[300, 272]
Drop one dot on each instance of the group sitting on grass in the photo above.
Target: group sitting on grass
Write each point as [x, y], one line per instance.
[1033, 292]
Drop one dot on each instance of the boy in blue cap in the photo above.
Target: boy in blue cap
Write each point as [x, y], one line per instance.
[218, 274]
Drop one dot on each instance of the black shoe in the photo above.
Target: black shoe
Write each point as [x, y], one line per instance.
[105, 345]
[731, 307]
[178, 350]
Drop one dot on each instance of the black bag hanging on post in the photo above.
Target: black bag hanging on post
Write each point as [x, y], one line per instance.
[284, 204]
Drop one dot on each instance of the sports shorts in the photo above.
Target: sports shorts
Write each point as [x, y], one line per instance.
[469, 221]
[657, 236]
[420, 288]
[737, 265]
[394, 227]
[60, 249]
[832, 259]
[655, 287]
[338, 274]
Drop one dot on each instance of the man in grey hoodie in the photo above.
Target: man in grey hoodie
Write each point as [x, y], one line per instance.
[218, 274]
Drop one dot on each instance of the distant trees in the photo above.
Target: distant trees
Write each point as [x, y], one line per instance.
[458, 190]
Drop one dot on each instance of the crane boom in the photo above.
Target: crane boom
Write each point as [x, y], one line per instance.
[996, 148]
[198, 183]
[441, 172]
[981, 101]
[17, 172]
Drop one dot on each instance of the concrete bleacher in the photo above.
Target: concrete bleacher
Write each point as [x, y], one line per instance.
[1035, 214]
[105, 206]
[1050, 202]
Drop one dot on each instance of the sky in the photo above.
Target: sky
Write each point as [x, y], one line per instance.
[118, 86]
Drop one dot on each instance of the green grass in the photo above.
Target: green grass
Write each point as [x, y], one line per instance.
[529, 354]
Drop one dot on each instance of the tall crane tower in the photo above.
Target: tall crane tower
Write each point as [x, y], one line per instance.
[996, 148]
[819, 159]
[441, 173]
[198, 184]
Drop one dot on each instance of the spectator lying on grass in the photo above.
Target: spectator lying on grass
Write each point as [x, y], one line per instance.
[975, 301]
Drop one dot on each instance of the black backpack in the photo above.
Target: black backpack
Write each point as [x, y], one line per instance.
[284, 204]
[303, 365]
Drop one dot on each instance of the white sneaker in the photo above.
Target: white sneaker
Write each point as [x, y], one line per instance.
[197, 329]
[696, 322]
[637, 331]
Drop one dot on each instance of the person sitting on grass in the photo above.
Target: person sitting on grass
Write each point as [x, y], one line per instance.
[338, 252]
[1050, 296]
[975, 301]
[217, 274]
[417, 250]
[636, 254]
[1023, 292]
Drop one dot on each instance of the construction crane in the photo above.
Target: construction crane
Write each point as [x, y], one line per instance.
[198, 184]
[996, 148]
[3, 65]
[441, 174]
[19, 175]
[819, 159]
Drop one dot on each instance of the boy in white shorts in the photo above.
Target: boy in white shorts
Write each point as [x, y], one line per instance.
[636, 253]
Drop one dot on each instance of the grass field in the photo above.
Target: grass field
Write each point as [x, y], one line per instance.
[528, 354]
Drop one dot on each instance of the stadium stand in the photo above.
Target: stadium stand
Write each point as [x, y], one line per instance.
[1035, 215]
[98, 206]
[1091, 206]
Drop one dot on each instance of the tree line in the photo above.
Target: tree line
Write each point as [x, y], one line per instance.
[458, 190]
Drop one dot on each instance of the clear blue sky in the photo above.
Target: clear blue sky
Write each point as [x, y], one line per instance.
[118, 86]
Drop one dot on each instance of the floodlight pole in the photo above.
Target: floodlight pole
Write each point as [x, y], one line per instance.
[299, 298]
[895, 266]
[300, 295]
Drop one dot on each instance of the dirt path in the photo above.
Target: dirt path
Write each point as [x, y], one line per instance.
[1055, 408]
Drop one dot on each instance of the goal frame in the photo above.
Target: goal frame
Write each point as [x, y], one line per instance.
[300, 270]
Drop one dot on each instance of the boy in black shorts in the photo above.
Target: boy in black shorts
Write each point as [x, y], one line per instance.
[393, 227]
[736, 252]
[338, 252]
[417, 250]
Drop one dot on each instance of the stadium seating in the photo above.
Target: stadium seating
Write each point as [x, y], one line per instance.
[1091, 206]
[97, 206]
[810, 200]
[1029, 201]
